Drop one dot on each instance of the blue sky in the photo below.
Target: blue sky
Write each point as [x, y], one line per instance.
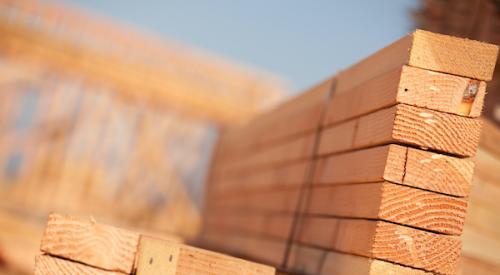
[303, 41]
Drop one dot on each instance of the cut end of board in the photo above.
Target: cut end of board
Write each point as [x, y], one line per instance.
[453, 55]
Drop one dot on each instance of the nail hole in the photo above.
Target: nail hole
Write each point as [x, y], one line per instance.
[406, 89]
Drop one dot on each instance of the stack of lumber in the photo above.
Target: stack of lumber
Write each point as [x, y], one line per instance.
[481, 237]
[372, 179]
[74, 246]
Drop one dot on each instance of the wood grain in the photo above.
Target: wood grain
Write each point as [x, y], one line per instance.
[346, 264]
[93, 244]
[264, 250]
[406, 125]
[386, 241]
[398, 164]
[278, 226]
[293, 150]
[275, 201]
[289, 174]
[48, 265]
[411, 86]
[390, 202]
[163, 257]
[296, 116]
[426, 50]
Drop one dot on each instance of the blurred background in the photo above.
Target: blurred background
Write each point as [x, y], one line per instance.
[112, 108]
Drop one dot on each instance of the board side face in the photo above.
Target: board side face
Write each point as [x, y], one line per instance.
[158, 256]
[393, 56]
[347, 264]
[47, 265]
[97, 245]
[453, 55]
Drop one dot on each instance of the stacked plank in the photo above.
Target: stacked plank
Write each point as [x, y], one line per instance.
[481, 237]
[258, 172]
[388, 168]
[75, 246]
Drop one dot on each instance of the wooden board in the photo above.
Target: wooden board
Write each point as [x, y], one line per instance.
[265, 250]
[346, 264]
[162, 257]
[85, 241]
[292, 150]
[381, 240]
[290, 175]
[390, 202]
[48, 265]
[398, 164]
[296, 116]
[278, 226]
[275, 201]
[406, 125]
[426, 50]
[411, 86]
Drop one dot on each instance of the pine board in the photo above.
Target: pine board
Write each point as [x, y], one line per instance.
[93, 244]
[386, 241]
[398, 164]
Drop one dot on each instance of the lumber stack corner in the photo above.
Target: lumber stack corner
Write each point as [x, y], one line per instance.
[374, 173]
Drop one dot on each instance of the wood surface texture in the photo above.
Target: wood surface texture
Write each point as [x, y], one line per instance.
[398, 164]
[382, 240]
[162, 257]
[405, 124]
[85, 241]
[426, 50]
[390, 202]
[411, 86]
[337, 263]
[49, 265]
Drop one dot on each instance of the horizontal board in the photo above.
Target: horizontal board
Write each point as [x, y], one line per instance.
[293, 150]
[90, 243]
[426, 50]
[298, 115]
[411, 86]
[271, 225]
[382, 240]
[264, 250]
[398, 164]
[405, 124]
[47, 265]
[276, 201]
[337, 263]
[390, 202]
[157, 256]
[285, 176]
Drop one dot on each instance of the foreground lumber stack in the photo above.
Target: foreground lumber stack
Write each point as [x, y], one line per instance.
[74, 246]
[371, 178]
[481, 237]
